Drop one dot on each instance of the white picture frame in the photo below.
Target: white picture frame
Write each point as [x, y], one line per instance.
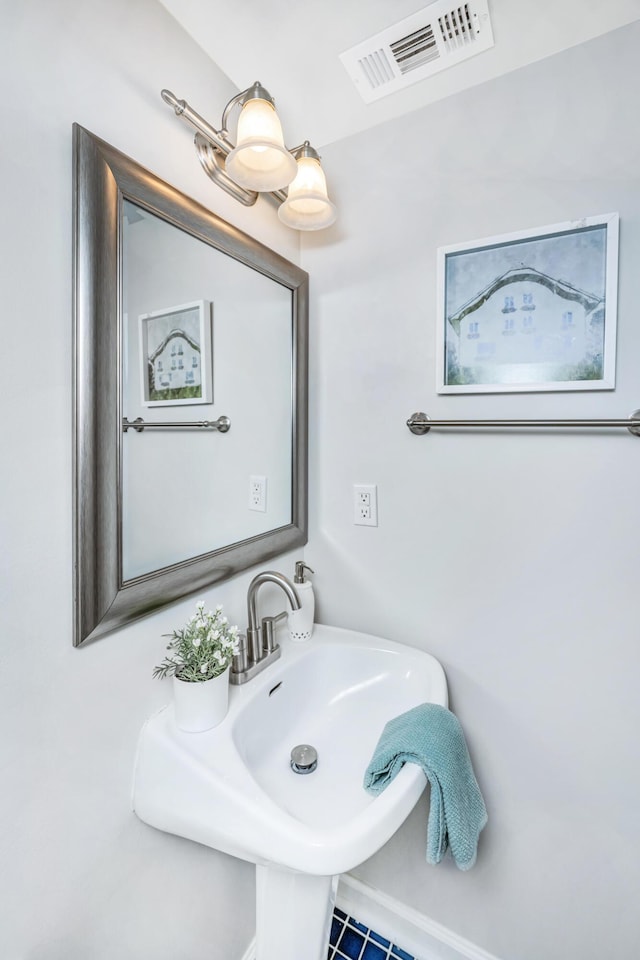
[176, 366]
[529, 311]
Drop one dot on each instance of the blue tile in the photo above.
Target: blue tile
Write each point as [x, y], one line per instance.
[372, 952]
[376, 936]
[351, 943]
[402, 954]
[336, 930]
[352, 940]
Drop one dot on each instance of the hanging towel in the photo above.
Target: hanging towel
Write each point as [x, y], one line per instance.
[431, 736]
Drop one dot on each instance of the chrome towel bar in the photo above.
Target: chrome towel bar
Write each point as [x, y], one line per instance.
[222, 424]
[420, 423]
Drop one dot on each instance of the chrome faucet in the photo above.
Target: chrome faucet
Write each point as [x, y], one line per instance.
[258, 648]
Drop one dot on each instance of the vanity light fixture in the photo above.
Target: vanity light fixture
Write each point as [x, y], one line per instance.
[260, 162]
[307, 206]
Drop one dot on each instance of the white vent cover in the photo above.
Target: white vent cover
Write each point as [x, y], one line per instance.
[430, 40]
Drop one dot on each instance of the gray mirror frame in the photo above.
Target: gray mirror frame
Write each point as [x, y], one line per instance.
[103, 179]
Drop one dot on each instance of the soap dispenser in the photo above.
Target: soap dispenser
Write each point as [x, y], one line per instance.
[301, 621]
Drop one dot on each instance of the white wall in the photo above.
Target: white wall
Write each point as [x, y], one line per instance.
[81, 878]
[512, 558]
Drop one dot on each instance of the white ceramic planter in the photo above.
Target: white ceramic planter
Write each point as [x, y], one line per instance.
[201, 706]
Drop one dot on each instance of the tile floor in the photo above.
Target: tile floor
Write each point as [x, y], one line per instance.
[351, 940]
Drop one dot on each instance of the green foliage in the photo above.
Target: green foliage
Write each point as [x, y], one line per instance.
[591, 368]
[456, 375]
[202, 649]
[176, 393]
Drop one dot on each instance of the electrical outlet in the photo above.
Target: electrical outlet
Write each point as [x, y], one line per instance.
[258, 494]
[365, 504]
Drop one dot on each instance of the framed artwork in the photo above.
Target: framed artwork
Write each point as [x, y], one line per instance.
[175, 355]
[530, 311]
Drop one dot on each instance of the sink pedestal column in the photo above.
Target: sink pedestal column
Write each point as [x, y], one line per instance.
[293, 914]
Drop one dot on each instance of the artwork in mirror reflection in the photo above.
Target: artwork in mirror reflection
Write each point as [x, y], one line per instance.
[187, 491]
[175, 355]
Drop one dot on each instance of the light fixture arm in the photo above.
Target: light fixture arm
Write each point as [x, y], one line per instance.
[227, 110]
[212, 146]
[255, 92]
[182, 109]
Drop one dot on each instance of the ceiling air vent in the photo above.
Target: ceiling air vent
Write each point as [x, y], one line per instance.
[430, 40]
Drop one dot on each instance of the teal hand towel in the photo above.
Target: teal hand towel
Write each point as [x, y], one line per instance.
[431, 736]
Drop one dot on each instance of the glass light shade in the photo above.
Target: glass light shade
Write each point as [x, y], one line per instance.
[307, 206]
[260, 161]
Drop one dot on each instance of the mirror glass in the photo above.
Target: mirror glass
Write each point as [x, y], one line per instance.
[185, 323]
[204, 336]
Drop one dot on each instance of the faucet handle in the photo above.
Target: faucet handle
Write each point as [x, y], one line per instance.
[240, 661]
[269, 631]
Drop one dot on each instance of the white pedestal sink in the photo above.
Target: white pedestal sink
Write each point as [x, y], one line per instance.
[232, 788]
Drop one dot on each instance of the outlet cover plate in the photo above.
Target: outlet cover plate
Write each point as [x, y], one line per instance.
[365, 504]
[258, 494]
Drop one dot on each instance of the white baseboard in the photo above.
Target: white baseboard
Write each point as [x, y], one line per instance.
[415, 933]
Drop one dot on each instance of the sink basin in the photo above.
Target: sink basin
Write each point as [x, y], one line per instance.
[232, 788]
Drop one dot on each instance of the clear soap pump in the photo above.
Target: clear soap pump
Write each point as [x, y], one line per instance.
[301, 621]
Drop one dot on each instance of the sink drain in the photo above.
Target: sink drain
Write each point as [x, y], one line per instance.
[304, 758]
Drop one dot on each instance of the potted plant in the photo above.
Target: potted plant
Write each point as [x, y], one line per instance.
[199, 660]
